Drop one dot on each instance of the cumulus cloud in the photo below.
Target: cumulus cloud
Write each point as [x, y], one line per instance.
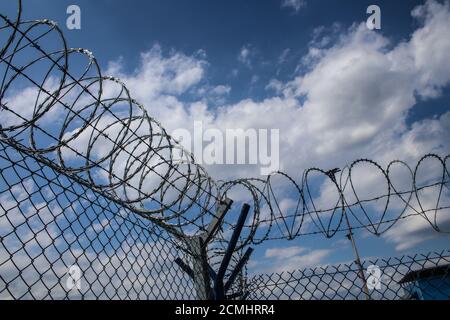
[352, 101]
[160, 75]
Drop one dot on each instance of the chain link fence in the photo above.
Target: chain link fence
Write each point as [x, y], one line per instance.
[96, 195]
[49, 223]
[420, 276]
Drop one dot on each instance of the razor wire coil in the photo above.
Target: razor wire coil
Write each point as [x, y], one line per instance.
[107, 140]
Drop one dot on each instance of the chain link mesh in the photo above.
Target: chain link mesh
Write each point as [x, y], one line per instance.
[106, 195]
[49, 223]
[420, 276]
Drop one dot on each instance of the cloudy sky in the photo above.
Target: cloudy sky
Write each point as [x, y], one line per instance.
[312, 69]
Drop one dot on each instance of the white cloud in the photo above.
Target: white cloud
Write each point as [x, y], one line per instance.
[284, 56]
[296, 5]
[221, 90]
[282, 253]
[275, 85]
[162, 75]
[352, 102]
[291, 258]
[246, 54]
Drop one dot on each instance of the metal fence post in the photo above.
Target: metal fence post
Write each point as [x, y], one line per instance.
[199, 255]
[200, 268]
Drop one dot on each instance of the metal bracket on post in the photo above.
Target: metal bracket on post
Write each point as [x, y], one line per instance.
[219, 288]
[214, 225]
[202, 272]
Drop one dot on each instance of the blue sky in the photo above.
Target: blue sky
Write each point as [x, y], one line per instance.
[261, 54]
[111, 30]
[221, 29]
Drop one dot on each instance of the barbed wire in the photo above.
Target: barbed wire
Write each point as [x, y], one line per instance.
[89, 127]
[400, 278]
[134, 139]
